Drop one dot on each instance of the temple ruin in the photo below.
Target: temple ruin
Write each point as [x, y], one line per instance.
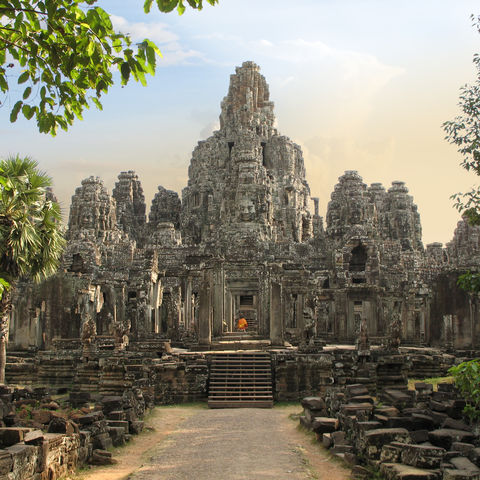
[242, 242]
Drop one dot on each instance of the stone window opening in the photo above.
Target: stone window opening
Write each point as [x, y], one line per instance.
[196, 199]
[358, 259]
[326, 283]
[77, 263]
[230, 146]
[264, 160]
[246, 300]
[293, 323]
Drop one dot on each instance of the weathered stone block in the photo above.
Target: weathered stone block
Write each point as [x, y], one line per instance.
[136, 426]
[35, 437]
[6, 462]
[102, 441]
[117, 434]
[322, 425]
[11, 435]
[118, 423]
[451, 474]
[444, 437]
[102, 457]
[313, 403]
[422, 456]
[397, 471]
[463, 463]
[375, 439]
[327, 440]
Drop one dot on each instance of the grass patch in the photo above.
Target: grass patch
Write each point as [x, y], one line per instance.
[433, 381]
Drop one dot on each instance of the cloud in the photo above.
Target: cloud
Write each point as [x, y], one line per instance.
[172, 50]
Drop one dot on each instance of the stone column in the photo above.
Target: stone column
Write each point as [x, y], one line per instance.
[218, 301]
[228, 310]
[276, 323]
[188, 303]
[299, 310]
[204, 314]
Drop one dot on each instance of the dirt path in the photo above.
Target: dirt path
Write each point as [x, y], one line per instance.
[194, 443]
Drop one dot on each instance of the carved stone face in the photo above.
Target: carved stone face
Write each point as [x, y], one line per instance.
[246, 210]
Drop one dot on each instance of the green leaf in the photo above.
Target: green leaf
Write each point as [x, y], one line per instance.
[16, 108]
[28, 111]
[125, 71]
[147, 6]
[27, 92]
[96, 101]
[23, 77]
[90, 48]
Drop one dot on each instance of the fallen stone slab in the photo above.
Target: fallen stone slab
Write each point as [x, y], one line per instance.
[464, 448]
[89, 418]
[463, 463]
[356, 408]
[136, 426]
[323, 425]
[327, 440]
[375, 439]
[419, 436]
[474, 456]
[398, 471]
[356, 389]
[313, 403]
[102, 457]
[456, 424]
[35, 437]
[11, 435]
[444, 437]
[387, 411]
[422, 456]
[451, 474]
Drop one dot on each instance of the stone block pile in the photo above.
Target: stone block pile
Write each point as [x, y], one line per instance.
[404, 434]
[39, 439]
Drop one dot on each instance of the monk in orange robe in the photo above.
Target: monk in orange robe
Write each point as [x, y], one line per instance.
[242, 324]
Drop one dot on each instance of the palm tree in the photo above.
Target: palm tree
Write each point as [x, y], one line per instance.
[31, 241]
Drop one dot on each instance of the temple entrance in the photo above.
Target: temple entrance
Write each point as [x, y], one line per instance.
[241, 304]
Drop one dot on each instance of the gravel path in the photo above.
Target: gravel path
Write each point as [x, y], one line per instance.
[238, 444]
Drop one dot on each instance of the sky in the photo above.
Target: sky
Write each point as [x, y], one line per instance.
[359, 84]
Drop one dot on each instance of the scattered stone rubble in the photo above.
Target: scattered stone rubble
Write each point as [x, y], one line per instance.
[39, 439]
[405, 434]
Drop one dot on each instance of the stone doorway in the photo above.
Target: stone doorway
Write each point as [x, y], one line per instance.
[242, 304]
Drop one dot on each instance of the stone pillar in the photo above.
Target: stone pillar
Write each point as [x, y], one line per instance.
[218, 301]
[299, 310]
[228, 310]
[204, 314]
[263, 306]
[188, 303]
[276, 327]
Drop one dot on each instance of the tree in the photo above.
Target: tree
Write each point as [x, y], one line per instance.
[464, 132]
[64, 53]
[31, 241]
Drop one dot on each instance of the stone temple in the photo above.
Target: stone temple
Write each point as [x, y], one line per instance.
[242, 242]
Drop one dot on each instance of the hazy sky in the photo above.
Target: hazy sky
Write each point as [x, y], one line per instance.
[360, 84]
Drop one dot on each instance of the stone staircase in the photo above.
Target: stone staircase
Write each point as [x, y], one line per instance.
[240, 379]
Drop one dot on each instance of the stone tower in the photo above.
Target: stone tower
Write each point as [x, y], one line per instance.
[246, 183]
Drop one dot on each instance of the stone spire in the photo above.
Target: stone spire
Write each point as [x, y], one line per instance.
[247, 105]
[130, 201]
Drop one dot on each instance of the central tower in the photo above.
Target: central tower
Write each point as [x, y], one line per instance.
[246, 183]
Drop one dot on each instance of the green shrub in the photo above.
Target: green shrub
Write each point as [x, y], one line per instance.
[467, 380]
